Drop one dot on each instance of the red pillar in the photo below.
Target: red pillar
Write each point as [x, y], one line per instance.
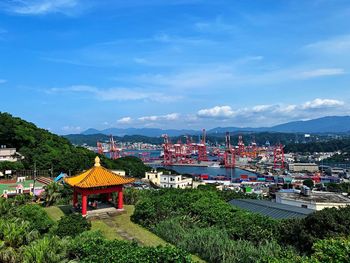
[120, 199]
[84, 204]
[75, 198]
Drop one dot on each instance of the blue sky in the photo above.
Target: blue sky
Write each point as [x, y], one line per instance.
[68, 65]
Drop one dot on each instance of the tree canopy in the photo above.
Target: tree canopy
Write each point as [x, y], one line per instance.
[47, 150]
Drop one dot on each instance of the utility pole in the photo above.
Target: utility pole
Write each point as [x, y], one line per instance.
[51, 170]
[34, 177]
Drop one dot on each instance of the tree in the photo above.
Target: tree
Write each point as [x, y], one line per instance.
[52, 193]
[309, 183]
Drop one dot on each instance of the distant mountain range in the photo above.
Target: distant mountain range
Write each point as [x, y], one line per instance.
[329, 124]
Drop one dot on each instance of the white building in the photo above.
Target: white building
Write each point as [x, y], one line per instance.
[153, 177]
[168, 180]
[119, 172]
[315, 201]
[8, 154]
[303, 167]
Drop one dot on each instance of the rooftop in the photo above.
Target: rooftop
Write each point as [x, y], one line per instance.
[97, 176]
[271, 209]
[316, 197]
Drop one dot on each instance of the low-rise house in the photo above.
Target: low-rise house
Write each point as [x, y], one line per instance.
[312, 200]
[8, 154]
[168, 180]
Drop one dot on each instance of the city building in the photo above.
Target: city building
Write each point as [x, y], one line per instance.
[303, 167]
[312, 200]
[168, 180]
[153, 177]
[119, 172]
[175, 181]
[8, 154]
[336, 171]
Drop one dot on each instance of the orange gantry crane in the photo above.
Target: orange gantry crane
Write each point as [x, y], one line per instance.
[229, 155]
[202, 148]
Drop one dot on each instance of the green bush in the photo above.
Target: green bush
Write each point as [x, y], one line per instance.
[46, 250]
[331, 250]
[36, 216]
[72, 225]
[91, 248]
[214, 244]
[303, 233]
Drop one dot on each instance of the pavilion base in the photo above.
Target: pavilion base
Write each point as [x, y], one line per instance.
[103, 212]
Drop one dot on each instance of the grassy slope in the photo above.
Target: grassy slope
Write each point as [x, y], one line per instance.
[123, 223]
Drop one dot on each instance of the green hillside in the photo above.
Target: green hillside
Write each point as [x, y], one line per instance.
[50, 150]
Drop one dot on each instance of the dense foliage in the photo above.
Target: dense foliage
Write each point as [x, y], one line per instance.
[339, 188]
[326, 146]
[49, 150]
[81, 139]
[72, 225]
[28, 235]
[92, 247]
[201, 222]
[327, 223]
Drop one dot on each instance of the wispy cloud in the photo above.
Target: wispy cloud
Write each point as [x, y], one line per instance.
[215, 26]
[115, 94]
[71, 129]
[41, 7]
[335, 45]
[323, 72]
[3, 81]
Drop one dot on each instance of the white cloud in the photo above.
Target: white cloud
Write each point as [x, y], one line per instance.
[167, 117]
[322, 103]
[3, 81]
[41, 7]
[125, 120]
[321, 73]
[266, 115]
[217, 112]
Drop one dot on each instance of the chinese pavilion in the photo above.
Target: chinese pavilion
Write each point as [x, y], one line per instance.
[97, 180]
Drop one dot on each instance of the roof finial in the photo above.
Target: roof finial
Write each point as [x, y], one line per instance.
[97, 161]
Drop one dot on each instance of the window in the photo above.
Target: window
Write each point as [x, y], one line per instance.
[172, 179]
[304, 206]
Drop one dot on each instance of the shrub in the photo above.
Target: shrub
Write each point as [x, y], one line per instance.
[331, 250]
[46, 250]
[91, 247]
[36, 216]
[303, 233]
[72, 225]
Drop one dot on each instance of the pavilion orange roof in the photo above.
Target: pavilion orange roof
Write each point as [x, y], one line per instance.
[97, 176]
